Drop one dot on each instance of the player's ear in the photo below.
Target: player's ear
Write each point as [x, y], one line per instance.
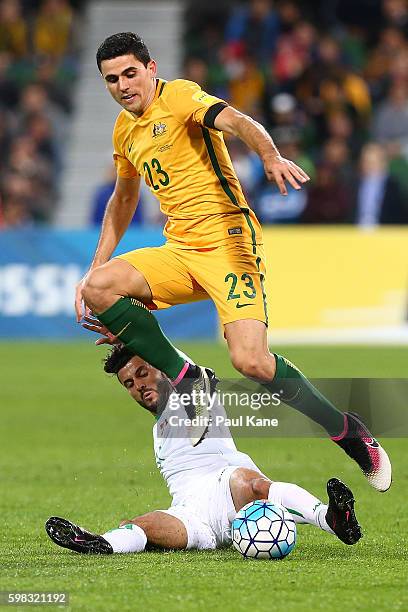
[152, 68]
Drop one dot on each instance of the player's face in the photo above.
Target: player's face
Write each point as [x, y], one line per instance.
[147, 385]
[129, 82]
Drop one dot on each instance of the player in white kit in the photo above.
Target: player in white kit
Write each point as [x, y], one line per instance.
[208, 483]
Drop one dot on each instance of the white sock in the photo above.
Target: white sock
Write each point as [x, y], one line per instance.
[127, 539]
[303, 506]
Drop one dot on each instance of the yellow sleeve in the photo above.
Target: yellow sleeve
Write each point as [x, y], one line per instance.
[124, 167]
[188, 102]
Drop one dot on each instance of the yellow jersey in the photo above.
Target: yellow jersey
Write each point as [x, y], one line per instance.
[187, 166]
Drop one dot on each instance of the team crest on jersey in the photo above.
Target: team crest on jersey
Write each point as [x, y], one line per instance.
[159, 129]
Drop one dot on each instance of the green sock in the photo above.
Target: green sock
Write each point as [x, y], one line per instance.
[140, 332]
[300, 394]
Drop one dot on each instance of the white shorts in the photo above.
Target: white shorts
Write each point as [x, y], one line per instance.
[207, 514]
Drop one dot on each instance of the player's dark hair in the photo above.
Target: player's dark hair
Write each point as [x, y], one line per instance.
[116, 359]
[123, 43]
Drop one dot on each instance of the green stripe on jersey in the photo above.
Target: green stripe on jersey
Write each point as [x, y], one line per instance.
[217, 168]
[225, 185]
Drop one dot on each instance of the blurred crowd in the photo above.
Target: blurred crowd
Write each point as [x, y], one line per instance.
[38, 69]
[329, 80]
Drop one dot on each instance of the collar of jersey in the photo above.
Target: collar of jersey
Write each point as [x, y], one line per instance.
[148, 109]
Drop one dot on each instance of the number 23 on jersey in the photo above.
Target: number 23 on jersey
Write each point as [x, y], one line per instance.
[156, 176]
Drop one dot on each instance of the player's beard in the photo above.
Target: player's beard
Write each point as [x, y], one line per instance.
[164, 390]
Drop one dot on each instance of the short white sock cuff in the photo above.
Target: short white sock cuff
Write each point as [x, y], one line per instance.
[301, 504]
[275, 492]
[127, 539]
[321, 519]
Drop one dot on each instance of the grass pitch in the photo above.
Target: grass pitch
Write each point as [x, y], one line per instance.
[74, 445]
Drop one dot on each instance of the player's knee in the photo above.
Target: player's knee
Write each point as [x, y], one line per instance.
[97, 283]
[243, 363]
[260, 488]
[251, 366]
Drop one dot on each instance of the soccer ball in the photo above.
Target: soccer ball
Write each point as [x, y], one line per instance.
[263, 530]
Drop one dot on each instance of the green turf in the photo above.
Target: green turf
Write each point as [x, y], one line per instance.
[74, 445]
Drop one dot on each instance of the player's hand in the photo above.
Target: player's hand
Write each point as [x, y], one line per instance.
[280, 170]
[80, 305]
[96, 326]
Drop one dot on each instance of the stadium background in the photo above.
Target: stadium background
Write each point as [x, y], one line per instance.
[329, 79]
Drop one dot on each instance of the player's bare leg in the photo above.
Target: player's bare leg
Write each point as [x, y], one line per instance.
[248, 347]
[250, 355]
[336, 517]
[117, 293]
[248, 485]
[157, 529]
[162, 530]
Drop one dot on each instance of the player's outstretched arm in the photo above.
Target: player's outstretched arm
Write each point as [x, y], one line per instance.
[118, 215]
[277, 168]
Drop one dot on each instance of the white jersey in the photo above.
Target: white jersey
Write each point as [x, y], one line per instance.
[184, 466]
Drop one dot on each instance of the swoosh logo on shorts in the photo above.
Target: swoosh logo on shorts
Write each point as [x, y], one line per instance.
[238, 305]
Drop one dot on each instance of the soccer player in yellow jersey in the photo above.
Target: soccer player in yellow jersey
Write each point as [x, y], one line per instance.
[171, 133]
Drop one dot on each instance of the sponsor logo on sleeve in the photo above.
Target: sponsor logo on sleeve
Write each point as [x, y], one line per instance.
[204, 98]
